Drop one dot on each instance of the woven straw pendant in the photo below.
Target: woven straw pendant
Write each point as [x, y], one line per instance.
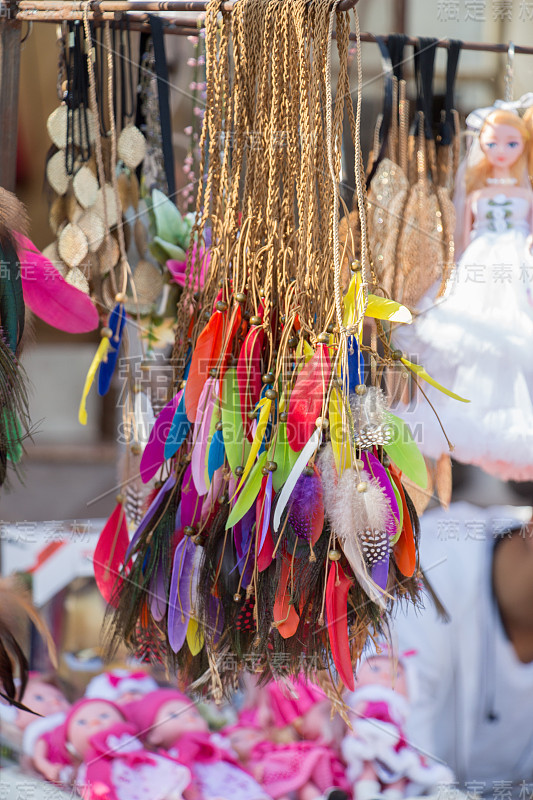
[52, 254]
[93, 228]
[76, 278]
[56, 173]
[85, 187]
[140, 237]
[73, 245]
[110, 205]
[131, 146]
[56, 125]
[58, 215]
[108, 254]
[148, 285]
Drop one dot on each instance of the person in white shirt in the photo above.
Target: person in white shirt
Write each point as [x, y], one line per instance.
[474, 705]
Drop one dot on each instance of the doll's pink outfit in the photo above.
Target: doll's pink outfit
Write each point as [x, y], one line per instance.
[49, 730]
[217, 774]
[117, 767]
[286, 768]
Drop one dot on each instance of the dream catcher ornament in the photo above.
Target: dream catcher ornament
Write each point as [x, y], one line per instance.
[281, 528]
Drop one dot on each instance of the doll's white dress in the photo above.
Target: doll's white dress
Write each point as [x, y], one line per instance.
[477, 341]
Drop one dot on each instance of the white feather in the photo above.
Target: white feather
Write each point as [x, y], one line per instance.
[350, 512]
[144, 417]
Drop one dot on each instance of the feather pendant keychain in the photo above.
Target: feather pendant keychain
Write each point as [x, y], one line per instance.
[114, 331]
[110, 552]
[204, 358]
[307, 398]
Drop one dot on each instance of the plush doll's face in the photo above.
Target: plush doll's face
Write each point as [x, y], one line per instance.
[173, 719]
[42, 698]
[379, 671]
[129, 697]
[243, 741]
[502, 144]
[89, 719]
[314, 723]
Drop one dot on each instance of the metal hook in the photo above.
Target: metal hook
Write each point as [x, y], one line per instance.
[28, 32]
[509, 73]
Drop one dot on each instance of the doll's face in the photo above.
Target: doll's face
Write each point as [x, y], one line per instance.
[42, 698]
[243, 741]
[88, 720]
[173, 719]
[379, 671]
[502, 144]
[315, 722]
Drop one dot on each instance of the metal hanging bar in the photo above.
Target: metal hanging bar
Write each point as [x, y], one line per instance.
[99, 7]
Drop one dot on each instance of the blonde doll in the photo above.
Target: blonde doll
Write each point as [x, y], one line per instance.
[477, 339]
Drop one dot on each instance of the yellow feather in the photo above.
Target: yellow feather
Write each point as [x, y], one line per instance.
[381, 308]
[420, 372]
[195, 639]
[340, 440]
[264, 405]
[101, 355]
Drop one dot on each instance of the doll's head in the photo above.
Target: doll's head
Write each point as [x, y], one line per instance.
[505, 142]
[243, 737]
[121, 686]
[301, 704]
[41, 697]
[87, 718]
[382, 670]
[163, 717]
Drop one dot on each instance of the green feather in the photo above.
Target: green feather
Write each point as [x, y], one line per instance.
[11, 296]
[405, 453]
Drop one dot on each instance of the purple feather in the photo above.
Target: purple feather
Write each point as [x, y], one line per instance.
[153, 456]
[179, 601]
[380, 573]
[267, 509]
[302, 502]
[150, 514]
[158, 601]
[215, 613]
[191, 503]
[376, 470]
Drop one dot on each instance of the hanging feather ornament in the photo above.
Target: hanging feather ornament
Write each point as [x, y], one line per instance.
[14, 411]
[284, 531]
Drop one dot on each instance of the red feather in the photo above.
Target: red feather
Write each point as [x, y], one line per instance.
[284, 613]
[249, 376]
[307, 398]
[205, 356]
[404, 550]
[229, 336]
[337, 589]
[109, 553]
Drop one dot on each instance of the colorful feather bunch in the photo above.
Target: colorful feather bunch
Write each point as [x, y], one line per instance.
[282, 528]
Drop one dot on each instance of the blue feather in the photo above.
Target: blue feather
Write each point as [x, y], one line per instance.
[216, 455]
[117, 320]
[178, 430]
[356, 365]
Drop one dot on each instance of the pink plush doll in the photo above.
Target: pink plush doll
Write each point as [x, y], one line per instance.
[168, 719]
[111, 762]
[379, 758]
[121, 686]
[308, 765]
[41, 742]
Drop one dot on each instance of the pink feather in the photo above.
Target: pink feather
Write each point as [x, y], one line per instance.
[49, 295]
[191, 503]
[153, 456]
[213, 494]
[206, 407]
